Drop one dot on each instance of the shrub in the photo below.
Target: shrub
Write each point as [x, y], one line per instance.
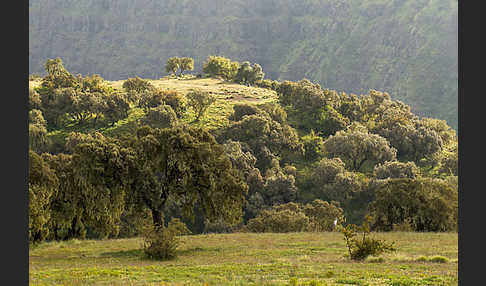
[160, 117]
[176, 101]
[241, 110]
[137, 84]
[150, 99]
[428, 204]
[284, 220]
[161, 242]
[361, 248]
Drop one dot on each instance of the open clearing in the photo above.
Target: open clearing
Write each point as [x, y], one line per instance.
[248, 259]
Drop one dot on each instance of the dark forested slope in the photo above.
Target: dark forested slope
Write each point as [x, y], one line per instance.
[405, 47]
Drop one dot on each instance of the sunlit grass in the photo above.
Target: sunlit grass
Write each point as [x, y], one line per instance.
[248, 259]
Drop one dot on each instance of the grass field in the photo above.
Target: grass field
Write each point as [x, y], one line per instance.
[248, 259]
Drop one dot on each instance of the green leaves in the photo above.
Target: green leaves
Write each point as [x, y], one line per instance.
[199, 101]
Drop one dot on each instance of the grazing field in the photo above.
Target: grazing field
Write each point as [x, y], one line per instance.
[248, 259]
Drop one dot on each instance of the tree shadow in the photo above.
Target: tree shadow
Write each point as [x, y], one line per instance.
[124, 253]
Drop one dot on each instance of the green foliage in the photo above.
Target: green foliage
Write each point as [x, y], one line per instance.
[161, 116]
[43, 185]
[283, 218]
[199, 101]
[172, 65]
[189, 166]
[137, 84]
[38, 140]
[216, 66]
[241, 109]
[263, 135]
[34, 99]
[249, 74]
[311, 108]
[313, 146]
[267, 83]
[160, 243]
[150, 99]
[101, 172]
[427, 204]
[359, 248]
[323, 214]
[292, 217]
[218, 226]
[404, 47]
[57, 76]
[356, 147]
[396, 169]
[116, 108]
[186, 64]
[175, 100]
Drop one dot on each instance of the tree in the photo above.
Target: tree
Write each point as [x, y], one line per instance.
[279, 187]
[150, 99]
[57, 77]
[175, 100]
[311, 108]
[56, 104]
[427, 204]
[396, 169]
[356, 147]
[324, 214]
[249, 74]
[172, 65]
[137, 84]
[330, 180]
[199, 101]
[116, 108]
[313, 146]
[186, 64]
[216, 66]
[189, 166]
[37, 131]
[102, 173]
[43, 185]
[161, 116]
[34, 99]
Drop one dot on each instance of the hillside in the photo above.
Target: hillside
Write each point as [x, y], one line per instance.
[407, 48]
[247, 259]
[227, 94]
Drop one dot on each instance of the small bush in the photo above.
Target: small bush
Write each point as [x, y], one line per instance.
[361, 248]
[160, 243]
[435, 258]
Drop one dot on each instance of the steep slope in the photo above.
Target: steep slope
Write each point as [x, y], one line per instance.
[405, 47]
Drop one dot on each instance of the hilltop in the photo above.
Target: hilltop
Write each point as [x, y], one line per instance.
[227, 94]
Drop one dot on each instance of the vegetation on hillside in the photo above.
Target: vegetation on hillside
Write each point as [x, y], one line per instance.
[308, 159]
[407, 48]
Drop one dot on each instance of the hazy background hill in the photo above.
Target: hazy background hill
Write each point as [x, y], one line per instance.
[405, 47]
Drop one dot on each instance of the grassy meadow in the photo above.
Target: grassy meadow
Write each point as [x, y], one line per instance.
[248, 259]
